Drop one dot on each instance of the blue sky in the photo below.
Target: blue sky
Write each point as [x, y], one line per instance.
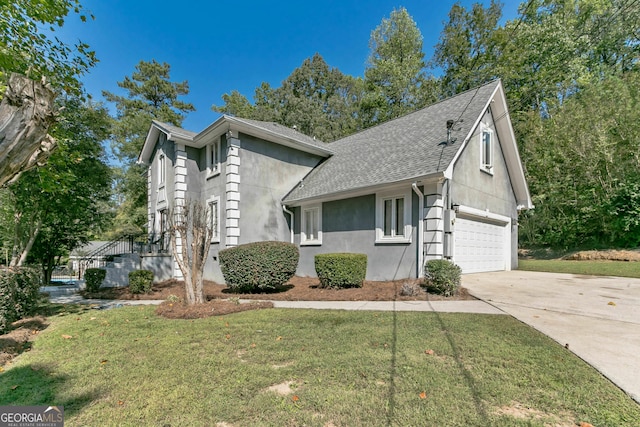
[218, 46]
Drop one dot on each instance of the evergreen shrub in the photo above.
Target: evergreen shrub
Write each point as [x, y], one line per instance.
[442, 276]
[258, 266]
[94, 277]
[140, 281]
[19, 294]
[341, 270]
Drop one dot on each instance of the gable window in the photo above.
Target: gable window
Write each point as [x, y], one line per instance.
[486, 147]
[213, 207]
[311, 232]
[213, 158]
[162, 169]
[393, 217]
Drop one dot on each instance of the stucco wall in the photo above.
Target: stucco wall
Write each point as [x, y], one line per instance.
[476, 188]
[348, 225]
[268, 172]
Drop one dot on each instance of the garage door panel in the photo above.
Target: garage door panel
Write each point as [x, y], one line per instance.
[479, 245]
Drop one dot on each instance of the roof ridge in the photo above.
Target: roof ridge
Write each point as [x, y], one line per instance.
[476, 88]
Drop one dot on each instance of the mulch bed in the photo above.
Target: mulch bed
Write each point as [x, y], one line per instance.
[222, 301]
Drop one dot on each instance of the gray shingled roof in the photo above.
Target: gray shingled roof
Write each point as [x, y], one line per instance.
[285, 132]
[175, 130]
[408, 147]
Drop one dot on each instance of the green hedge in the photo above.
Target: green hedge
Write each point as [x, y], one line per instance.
[258, 266]
[140, 281]
[341, 270]
[94, 277]
[19, 294]
[442, 276]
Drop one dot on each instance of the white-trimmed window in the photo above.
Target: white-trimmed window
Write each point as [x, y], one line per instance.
[162, 170]
[213, 158]
[486, 149]
[393, 217]
[311, 232]
[213, 211]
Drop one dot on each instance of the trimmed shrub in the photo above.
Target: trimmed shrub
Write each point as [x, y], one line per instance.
[442, 276]
[94, 277]
[341, 270]
[140, 281]
[19, 294]
[258, 266]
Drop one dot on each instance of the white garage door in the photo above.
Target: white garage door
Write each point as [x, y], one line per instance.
[479, 245]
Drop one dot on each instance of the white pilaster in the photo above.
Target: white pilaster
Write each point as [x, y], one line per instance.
[180, 196]
[434, 226]
[232, 213]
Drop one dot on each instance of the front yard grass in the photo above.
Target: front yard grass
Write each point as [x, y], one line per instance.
[127, 366]
[591, 268]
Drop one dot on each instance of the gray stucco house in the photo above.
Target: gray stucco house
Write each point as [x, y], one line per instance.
[443, 182]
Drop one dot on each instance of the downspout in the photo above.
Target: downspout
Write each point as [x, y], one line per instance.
[420, 228]
[284, 208]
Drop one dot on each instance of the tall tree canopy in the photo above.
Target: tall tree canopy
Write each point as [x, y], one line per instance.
[395, 78]
[316, 99]
[150, 95]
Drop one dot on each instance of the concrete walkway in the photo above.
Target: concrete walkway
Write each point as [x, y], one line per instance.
[597, 317]
[470, 306]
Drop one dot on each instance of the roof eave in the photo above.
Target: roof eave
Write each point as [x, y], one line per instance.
[361, 191]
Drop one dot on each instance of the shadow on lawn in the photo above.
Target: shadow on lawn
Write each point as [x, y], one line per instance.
[38, 385]
[466, 374]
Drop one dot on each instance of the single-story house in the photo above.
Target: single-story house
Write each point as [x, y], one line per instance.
[443, 182]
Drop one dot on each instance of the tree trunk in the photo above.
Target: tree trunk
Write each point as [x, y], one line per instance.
[26, 112]
[20, 256]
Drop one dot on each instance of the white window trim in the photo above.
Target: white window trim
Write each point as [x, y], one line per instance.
[213, 168]
[488, 168]
[380, 198]
[162, 178]
[162, 169]
[303, 225]
[215, 237]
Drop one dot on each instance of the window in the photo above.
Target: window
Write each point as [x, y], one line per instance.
[213, 206]
[162, 170]
[393, 217]
[213, 158]
[311, 225]
[486, 145]
[163, 238]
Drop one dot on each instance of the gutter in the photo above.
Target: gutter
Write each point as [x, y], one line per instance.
[420, 229]
[284, 208]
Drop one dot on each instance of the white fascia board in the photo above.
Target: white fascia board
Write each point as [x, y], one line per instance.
[507, 138]
[448, 173]
[363, 191]
[152, 137]
[262, 133]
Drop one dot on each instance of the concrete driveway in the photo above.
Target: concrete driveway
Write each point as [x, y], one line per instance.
[597, 317]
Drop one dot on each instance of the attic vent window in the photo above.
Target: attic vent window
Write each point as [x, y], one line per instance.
[486, 147]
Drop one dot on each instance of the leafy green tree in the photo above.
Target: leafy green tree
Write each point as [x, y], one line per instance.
[470, 47]
[584, 168]
[316, 99]
[395, 79]
[27, 49]
[60, 205]
[151, 95]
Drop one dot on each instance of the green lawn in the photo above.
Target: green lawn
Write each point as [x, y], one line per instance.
[594, 268]
[127, 366]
